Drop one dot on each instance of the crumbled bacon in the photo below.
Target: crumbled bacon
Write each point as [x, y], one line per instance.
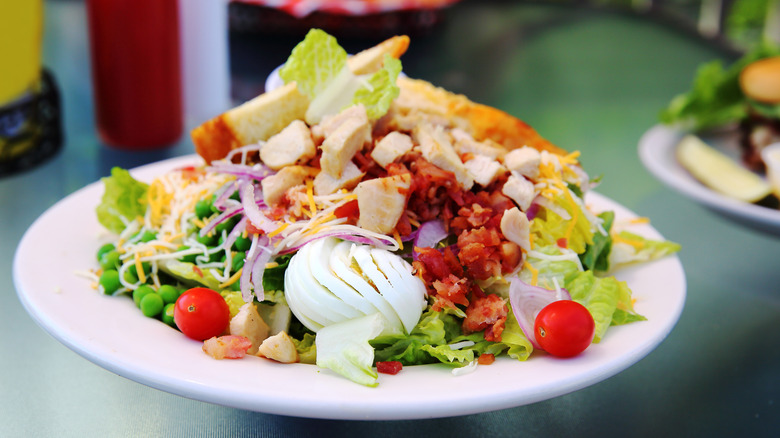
[487, 313]
[486, 359]
[392, 367]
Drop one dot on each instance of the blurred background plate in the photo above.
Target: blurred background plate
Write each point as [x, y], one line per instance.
[657, 152]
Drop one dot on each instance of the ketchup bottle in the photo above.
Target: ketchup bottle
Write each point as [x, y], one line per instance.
[136, 72]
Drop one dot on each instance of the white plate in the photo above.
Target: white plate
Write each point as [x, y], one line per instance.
[111, 332]
[657, 152]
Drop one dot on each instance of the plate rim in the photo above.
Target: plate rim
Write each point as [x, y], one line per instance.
[656, 152]
[366, 409]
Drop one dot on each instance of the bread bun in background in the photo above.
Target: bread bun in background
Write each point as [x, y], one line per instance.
[760, 80]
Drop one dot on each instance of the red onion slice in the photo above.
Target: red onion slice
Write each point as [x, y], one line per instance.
[257, 172]
[430, 233]
[527, 301]
[251, 210]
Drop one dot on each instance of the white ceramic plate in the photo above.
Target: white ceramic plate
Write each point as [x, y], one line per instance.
[111, 332]
[657, 151]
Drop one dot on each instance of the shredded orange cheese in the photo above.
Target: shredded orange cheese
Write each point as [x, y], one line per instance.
[534, 273]
[233, 278]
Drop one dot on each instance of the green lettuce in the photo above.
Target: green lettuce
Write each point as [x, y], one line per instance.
[596, 255]
[123, 200]
[550, 272]
[641, 249]
[548, 227]
[715, 98]
[344, 347]
[319, 67]
[608, 300]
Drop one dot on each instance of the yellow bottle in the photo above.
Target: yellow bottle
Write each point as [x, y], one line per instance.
[21, 35]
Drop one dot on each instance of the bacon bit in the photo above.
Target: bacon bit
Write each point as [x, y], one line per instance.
[562, 243]
[197, 270]
[389, 367]
[227, 347]
[487, 313]
[449, 292]
[251, 229]
[348, 210]
[486, 359]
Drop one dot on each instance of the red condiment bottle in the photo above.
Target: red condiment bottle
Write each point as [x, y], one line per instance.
[136, 72]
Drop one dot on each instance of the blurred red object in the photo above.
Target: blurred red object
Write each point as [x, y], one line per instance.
[352, 18]
[136, 71]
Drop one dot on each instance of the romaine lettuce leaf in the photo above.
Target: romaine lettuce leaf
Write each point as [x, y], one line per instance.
[123, 200]
[630, 248]
[319, 67]
[550, 272]
[596, 255]
[344, 348]
[548, 227]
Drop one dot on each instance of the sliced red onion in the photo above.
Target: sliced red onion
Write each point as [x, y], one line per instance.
[235, 232]
[256, 172]
[343, 235]
[223, 195]
[430, 233]
[254, 266]
[527, 301]
[251, 210]
[224, 216]
[532, 210]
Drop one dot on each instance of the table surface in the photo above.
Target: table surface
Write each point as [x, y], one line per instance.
[587, 79]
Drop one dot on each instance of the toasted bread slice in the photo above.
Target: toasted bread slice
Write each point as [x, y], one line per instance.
[481, 121]
[268, 113]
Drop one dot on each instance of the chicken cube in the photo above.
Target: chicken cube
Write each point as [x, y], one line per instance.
[249, 324]
[381, 201]
[391, 147]
[436, 147]
[330, 123]
[280, 348]
[290, 146]
[516, 227]
[524, 160]
[325, 184]
[342, 144]
[275, 186]
[520, 190]
[484, 170]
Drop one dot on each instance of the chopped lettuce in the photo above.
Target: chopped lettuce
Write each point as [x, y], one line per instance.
[307, 349]
[344, 347]
[596, 255]
[550, 272]
[607, 299]
[123, 200]
[715, 98]
[319, 67]
[548, 227]
[630, 248]
[189, 273]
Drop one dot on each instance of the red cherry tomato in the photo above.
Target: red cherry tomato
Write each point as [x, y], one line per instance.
[564, 328]
[201, 313]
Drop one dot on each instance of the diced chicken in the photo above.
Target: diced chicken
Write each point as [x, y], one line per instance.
[280, 348]
[520, 190]
[484, 170]
[340, 146]
[516, 227]
[465, 143]
[324, 184]
[276, 185]
[381, 202]
[330, 123]
[290, 146]
[524, 160]
[436, 147]
[227, 347]
[391, 147]
[249, 324]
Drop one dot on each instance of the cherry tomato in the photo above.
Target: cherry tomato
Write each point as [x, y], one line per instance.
[201, 313]
[564, 328]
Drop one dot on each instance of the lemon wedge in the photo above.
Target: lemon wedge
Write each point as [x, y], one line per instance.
[719, 172]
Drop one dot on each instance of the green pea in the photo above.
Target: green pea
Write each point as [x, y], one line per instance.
[104, 249]
[109, 260]
[109, 280]
[140, 293]
[148, 236]
[238, 261]
[152, 305]
[168, 293]
[190, 258]
[203, 208]
[208, 240]
[227, 225]
[242, 243]
[167, 314]
[236, 286]
[130, 275]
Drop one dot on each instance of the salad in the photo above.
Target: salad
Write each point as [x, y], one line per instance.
[378, 222]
